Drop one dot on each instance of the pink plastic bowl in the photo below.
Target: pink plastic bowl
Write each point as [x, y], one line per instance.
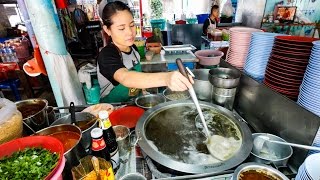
[209, 57]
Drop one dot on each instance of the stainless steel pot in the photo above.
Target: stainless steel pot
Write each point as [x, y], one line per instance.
[224, 77]
[34, 113]
[150, 100]
[80, 116]
[259, 167]
[74, 154]
[280, 154]
[172, 124]
[202, 86]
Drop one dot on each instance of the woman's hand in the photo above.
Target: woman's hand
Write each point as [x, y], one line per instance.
[177, 82]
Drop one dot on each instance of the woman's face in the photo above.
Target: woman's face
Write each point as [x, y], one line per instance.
[123, 30]
[215, 13]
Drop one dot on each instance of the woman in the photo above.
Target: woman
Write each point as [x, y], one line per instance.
[119, 69]
[212, 21]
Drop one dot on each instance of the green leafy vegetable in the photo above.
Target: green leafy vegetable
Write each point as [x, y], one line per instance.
[30, 163]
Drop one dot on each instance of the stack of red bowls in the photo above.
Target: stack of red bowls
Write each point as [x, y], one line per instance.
[287, 64]
[239, 45]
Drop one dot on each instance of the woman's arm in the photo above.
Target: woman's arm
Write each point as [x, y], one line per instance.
[174, 80]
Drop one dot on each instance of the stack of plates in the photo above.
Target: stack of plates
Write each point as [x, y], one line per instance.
[309, 170]
[316, 143]
[310, 88]
[287, 64]
[239, 44]
[258, 55]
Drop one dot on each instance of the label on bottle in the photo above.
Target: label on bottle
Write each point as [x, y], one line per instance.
[110, 174]
[106, 124]
[98, 144]
[115, 159]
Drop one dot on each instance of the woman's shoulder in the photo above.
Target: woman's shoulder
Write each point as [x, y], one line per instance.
[109, 51]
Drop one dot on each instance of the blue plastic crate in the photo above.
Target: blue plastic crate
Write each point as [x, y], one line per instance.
[173, 66]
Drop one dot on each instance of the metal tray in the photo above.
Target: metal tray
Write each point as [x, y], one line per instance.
[185, 47]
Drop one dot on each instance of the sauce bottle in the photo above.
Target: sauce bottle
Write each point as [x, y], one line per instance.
[110, 137]
[98, 145]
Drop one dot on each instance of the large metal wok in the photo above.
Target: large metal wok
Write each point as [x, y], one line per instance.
[168, 134]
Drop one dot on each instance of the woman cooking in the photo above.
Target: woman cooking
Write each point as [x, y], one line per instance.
[212, 21]
[119, 69]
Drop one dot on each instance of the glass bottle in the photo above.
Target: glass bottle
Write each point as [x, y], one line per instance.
[110, 137]
[98, 145]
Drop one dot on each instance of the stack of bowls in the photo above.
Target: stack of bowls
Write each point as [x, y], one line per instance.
[287, 64]
[239, 44]
[316, 143]
[309, 170]
[309, 90]
[258, 55]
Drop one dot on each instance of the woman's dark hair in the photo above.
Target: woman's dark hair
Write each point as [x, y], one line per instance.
[213, 8]
[110, 9]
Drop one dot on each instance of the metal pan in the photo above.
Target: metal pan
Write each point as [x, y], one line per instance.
[171, 124]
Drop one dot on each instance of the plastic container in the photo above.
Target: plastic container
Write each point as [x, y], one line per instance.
[47, 142]
[93, 94]
[209, 57]
[181, 22]
[158, 23]
[192, 20]
[202, 17]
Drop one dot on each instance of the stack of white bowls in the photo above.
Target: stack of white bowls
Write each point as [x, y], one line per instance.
[239, 45]
[258, 55]
[309, 90]
[310, 169]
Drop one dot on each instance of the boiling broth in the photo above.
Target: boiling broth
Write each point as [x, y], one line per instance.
[257, 175]
[173, 132]
[69, 139]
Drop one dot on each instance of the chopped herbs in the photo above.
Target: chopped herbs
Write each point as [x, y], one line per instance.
[30, 163]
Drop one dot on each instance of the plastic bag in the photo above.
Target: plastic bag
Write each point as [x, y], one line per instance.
[10, 121]
[227, 9]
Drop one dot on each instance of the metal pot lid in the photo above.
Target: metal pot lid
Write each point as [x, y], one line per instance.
[169, 135]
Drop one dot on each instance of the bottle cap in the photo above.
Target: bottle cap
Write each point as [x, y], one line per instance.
[96, 133]
[103, 114]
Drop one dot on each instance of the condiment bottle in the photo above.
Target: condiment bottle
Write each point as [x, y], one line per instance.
[110, 137]
[98, 145]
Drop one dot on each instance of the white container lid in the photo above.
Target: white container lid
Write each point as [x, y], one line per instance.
[103, 114]
[96, 133]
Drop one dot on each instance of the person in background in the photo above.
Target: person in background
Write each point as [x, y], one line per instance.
[118, 63]
[211, 22]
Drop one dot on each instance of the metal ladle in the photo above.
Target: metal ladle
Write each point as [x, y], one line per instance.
[196, 103]
[259, 142]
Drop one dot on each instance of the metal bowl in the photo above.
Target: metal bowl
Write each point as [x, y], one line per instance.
[224, 77]
[180, 95]
[74, 154]
[173, 123]
[258, 168]
[280, 154]
[80, 116]
[202, 86]
[150, 100]
[34, 113]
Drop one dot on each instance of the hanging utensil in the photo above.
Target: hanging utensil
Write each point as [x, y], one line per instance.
[210, 144]
[73, 113]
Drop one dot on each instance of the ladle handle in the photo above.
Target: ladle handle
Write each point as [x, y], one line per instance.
[181, 68]
[297, 145]
[73, 113]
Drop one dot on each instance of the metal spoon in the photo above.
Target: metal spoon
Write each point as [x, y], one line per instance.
[196, 102]
[259, 142]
